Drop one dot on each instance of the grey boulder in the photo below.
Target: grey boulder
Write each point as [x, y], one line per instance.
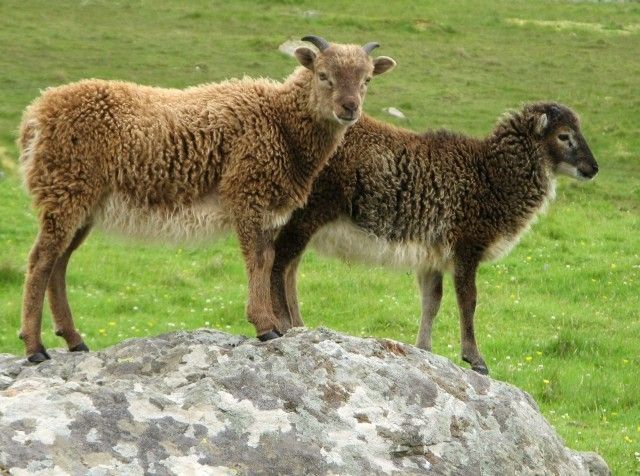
[311, 402]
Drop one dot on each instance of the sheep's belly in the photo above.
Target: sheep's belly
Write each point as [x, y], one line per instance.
[502, 247]
[344, 240]
[199, 222]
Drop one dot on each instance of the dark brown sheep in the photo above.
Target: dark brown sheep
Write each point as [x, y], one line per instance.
[432, 202]
[178, 164]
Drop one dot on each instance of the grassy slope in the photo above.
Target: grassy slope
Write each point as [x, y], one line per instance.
[558, 317]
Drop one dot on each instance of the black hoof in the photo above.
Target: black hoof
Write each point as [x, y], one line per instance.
[481, 370]
[39, 357]
[81, 347]
[269, 336]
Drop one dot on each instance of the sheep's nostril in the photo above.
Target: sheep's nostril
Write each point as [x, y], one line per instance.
[350, 106]
[589, 170]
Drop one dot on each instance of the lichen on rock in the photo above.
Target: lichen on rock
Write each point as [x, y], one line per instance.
[311, 402]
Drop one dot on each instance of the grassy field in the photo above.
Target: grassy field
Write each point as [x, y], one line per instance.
[558, 317]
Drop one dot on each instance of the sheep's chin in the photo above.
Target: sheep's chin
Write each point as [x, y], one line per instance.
[344, 122]
[570, 171]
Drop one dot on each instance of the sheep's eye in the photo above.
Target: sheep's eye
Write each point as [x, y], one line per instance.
[324, 77]
[563, 137]
[366, 81]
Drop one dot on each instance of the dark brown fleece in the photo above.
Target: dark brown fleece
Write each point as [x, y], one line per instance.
[437, 201]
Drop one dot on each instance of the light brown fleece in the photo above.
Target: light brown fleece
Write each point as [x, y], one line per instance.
[184, 163]
[432, 202]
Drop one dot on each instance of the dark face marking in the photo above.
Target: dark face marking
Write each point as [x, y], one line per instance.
[565, 145]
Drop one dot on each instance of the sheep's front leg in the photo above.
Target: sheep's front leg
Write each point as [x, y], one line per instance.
[465, 283]
[430, 283]
[258, 249]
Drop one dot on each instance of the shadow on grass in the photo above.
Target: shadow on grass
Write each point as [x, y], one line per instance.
[10, 274]
[568, 345]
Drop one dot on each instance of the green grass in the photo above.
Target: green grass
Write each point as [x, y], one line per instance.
[558, 317]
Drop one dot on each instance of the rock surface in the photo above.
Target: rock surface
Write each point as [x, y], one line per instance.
[311, 402]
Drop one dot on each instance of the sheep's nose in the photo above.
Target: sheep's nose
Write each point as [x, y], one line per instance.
[350, 106]
[588, 171]
[350, 109]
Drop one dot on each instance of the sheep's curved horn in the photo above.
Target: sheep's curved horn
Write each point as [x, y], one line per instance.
[369, 47]
[318, 41]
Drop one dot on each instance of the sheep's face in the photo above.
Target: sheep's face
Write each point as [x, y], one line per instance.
[567, 150]
[341, 74]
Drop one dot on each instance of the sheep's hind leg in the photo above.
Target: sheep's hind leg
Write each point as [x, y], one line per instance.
[53, 239]
[290, 244]
[279, 295]
[430, 283]
[292, 293]
[283, 293]
[465, 284]
[57, 294]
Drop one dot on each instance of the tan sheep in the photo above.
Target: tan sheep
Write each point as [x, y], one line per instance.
[432, 202]
[181, 164]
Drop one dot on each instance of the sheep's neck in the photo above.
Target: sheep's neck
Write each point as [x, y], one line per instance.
[516, 173]
[311, 139]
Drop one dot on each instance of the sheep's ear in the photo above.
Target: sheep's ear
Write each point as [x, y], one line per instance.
[541, 124]
[306, 57]
[382, 64]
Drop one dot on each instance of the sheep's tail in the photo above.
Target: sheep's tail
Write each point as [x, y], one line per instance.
[27, 143]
